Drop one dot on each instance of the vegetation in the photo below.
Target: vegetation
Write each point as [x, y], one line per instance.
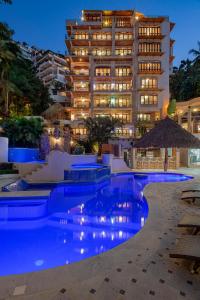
[7, 168]
[22, 132]
[100, 130]
[21, 92]
[78, 150]
[171, 107]
[185, 80]
[6, 1]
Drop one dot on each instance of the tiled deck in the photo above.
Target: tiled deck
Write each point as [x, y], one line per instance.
[138, 269]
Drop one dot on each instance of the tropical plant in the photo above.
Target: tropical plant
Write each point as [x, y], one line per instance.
[196, 53]
[22, 132]
[101, 129]
[78, 150]
[171, 107]
[5, 1]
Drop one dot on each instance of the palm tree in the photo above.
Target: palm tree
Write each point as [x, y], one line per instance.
[5, 1]
[196, 53]
[101, 129]
[8, 53]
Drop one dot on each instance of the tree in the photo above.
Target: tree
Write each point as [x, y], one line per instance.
[5, 1]
[196, 53]
[8, 53]
[21, 91]
[101, 129]
[33, 93]
[171, 107]
[23, 132]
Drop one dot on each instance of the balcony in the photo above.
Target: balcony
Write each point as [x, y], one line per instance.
[111, 106]
[150, 89]
[150, 72]
[150, 53]
[150, 37]
[123, 42]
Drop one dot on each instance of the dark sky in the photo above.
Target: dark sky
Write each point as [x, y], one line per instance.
[42, 22]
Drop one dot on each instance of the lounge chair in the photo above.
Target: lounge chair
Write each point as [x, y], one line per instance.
[194, 188]
[191, 221]
[191, 196]
[188, 247]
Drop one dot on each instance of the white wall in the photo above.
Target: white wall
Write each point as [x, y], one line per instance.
[58, 162]
[117, 164]
[3, 149]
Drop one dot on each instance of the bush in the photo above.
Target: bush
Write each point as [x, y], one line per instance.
[22, 132]
[78, 150]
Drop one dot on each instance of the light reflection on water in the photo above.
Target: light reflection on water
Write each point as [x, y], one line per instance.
[82, 221]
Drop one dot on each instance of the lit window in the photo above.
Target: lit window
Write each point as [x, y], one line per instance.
[149, 83]
[149, 99]
[149, 31]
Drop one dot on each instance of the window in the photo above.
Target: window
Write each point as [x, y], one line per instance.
[122, 86]
[80, 116]
[112, 86]
[123, 71]
[81, 71]
[123, 132]
[112, 101]
[102, 86]
[81, 86]
[123, 117]
[149, 83]
[81, 36]
[102, 71]
[150, 66]
[81, 51]
[123, 22]
[101, 52]
[79, 131]
[149, 99]
[107, 22]
[92, 18]
[150, 31]
[102, 36]
[123, 36]
[123, 51]
[150, 47]
[81, 102]
[143, 117]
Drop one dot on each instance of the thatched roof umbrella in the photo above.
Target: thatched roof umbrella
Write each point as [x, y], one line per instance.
[54, 111]
[168, 134]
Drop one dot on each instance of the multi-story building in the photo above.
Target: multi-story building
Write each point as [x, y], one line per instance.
[52, 69]
[119, 66]
[28, 52]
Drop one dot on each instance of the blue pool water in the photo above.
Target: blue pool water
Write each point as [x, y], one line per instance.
[23, 155]
[81, 220]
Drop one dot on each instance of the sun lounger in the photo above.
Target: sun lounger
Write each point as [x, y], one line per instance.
[192, 190]
[188, 247]
[191, 221]
[191, 196]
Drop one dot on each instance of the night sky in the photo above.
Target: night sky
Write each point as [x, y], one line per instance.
[42, 22]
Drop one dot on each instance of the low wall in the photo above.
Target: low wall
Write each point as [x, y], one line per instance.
[116, 164]
[20, 155]
[3, 149]
[57, 163]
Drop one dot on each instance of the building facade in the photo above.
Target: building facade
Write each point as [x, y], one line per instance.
[188, 116]
[120, 63]
[52, 69]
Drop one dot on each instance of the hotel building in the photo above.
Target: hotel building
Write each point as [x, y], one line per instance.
[52, 69]
[120, 63]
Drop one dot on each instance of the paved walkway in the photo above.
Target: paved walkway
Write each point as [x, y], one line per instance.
[138, 269]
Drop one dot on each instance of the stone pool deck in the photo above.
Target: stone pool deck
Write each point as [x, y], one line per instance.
[138, 269]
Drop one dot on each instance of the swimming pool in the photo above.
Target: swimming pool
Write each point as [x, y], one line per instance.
[82, 220]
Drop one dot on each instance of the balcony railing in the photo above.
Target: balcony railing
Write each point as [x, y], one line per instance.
[108, 105]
